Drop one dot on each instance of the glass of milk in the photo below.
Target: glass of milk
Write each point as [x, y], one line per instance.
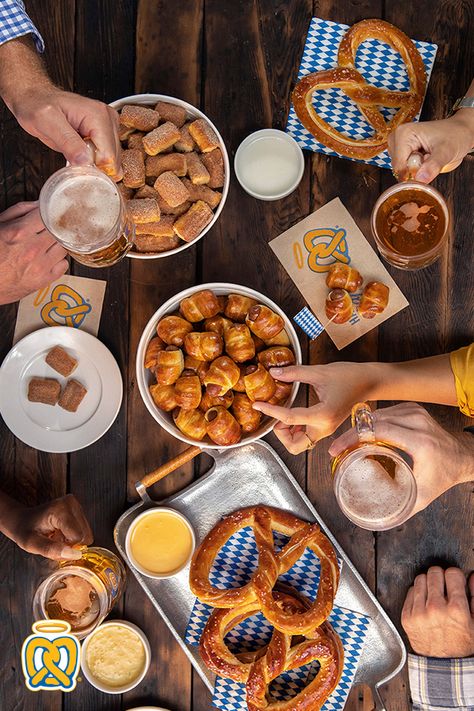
[84, 211]
[373, 481]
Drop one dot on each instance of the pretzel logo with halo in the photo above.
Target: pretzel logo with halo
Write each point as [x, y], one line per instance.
[50, 657]
[290, 614]
[65, 308]
[367, 97]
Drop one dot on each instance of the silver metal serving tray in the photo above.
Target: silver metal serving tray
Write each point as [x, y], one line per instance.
[250, 475]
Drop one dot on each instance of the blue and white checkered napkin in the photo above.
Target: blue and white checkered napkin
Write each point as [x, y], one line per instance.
[377, 62]
[308, 323]
[233, 566]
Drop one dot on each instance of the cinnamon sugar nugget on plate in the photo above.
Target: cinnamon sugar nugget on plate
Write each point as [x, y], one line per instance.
[133, 166]
[139, 117]
[203, 135]
[161, 138]
[58, 359]
[191, 224]
[175, 162]
[156, 243]
[171, 112]
[44, 390]
[145, 210]
[72, 395]
[171, 189]
[202, 192]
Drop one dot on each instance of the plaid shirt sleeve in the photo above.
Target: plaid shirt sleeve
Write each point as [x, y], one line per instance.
[441, 684]
[14, 22]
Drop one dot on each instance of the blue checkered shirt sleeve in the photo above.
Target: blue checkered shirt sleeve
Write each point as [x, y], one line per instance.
[441, 684]
[14, 22]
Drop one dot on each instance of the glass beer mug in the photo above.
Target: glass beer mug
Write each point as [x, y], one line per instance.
[85, 212]
[373, 481]
[410, 222]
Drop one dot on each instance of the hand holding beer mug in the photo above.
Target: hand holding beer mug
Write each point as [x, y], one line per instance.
[373, 480]
[83, 209]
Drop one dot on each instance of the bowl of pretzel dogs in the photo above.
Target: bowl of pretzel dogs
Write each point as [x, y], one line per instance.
[205, 356]
[176, 172]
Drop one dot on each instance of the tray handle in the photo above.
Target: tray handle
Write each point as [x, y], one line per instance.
[165, 469]
[378, 703]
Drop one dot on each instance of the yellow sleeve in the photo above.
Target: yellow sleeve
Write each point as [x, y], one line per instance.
[462, 364]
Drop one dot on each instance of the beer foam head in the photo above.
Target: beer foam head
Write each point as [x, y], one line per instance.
[82, 210]
[368, 493]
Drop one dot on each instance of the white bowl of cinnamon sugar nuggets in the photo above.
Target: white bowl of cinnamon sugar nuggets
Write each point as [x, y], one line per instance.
[176, 172]
[205, 356]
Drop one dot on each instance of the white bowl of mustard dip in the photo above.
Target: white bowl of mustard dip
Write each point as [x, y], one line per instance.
[160, 542]
[115, 657]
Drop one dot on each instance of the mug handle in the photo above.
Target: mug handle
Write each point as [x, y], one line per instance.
[363, 421]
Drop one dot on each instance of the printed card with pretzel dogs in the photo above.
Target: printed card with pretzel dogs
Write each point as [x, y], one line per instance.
[68, 301]
[395, 75]
[232, 568]
[310, 248]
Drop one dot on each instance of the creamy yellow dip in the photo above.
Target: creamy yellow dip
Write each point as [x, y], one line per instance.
[161, 542]
[115, 655]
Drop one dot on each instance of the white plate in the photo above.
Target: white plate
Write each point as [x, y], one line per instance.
[52, 429]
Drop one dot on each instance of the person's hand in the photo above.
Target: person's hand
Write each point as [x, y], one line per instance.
[51, 529]
[437, 616]
[338, 387]
[61, 120]
[30, 256]
[440, 459]
[443, 145]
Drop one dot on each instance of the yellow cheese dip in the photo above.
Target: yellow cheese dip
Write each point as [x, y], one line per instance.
[161, 542]
[115, 655]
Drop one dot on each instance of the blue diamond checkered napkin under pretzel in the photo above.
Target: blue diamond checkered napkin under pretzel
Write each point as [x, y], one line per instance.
[271, 564]
[367, 97]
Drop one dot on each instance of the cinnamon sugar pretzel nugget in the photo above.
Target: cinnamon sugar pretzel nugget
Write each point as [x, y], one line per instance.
[161, 138]
[197, 171]
[186, 142]
[167, 209]
[171, 112]
[163, 227]
[171, 189]
[133, 166]
[367, 97]
[264, 520]
[203, 135]
[135, 141]
[156, 165]
[192, 223]
[147, 192]
[140, 118]
[145, 210]
[156, 243]
[202, 192]
[214, 163]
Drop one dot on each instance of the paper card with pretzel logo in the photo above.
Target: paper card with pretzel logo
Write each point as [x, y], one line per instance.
[308, 249]
[69, 301]
[380, 65]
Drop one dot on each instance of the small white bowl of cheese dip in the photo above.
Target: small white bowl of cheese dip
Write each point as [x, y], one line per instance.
[115, 657]
[269, 164]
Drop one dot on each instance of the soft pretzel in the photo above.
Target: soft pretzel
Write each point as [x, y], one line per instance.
[368, 98]
[258, 669]
[264, 520]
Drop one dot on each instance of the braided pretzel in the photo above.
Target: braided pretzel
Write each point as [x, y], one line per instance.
[259, 669]
[264, 520]
[367, 97]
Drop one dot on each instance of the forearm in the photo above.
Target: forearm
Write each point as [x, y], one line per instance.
[463, 458]
[421, 380]
[21, 70]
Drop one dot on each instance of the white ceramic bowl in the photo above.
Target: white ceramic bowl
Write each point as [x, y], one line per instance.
[145, 377]
[128, 548]
[116, 689]
[269, 164]
[151, 100]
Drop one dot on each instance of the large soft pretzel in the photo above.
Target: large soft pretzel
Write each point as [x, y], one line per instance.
[264, 520]
[368, 98]
[258, 669]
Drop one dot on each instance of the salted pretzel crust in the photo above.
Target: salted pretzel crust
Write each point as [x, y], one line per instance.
[368, 98]
[264, 520]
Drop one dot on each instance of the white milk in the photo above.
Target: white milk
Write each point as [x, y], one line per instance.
[370, 493]
[268, 165]
[82, 210]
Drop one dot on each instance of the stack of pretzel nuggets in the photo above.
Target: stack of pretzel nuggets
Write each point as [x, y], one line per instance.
[301, 633]
[368, 98]
[173, 174]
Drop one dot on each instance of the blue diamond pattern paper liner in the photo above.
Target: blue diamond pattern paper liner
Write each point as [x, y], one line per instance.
[233, 567]
[379, 64]
[308, 323]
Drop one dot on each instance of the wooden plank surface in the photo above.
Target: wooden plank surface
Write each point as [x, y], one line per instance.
[237, 61]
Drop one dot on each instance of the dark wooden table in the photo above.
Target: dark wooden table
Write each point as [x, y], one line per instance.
[237, 60]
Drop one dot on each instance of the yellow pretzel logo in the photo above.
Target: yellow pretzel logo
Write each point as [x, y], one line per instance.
[66, 307]
[325, 246]
[50, 660]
